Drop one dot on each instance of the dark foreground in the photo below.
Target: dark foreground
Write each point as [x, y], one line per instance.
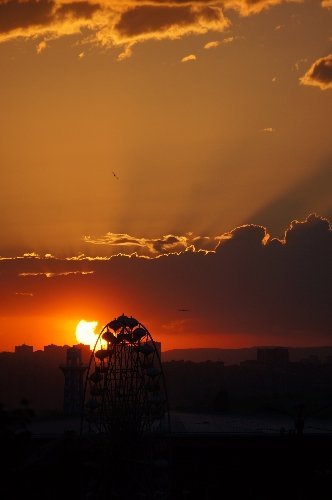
[188, 467]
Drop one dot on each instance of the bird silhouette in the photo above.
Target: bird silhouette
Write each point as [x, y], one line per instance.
[117, 178]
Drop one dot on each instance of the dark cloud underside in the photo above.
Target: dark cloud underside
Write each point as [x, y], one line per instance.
[250, 284]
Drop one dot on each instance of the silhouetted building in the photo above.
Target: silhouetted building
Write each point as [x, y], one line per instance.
[54, 350]
[249, 363]
[24, 350]
[194, 386]
[73, 371]
[273, 356]
[85, 352]
[311, 360]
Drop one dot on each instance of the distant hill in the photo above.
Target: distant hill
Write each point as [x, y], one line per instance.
[235, 356]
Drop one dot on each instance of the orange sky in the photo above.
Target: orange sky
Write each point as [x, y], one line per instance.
[155, 127]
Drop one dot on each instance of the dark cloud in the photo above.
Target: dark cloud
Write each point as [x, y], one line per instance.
[142, 20]
[114, 23]
[16, 14]
[76, 10]
[151, 18]
[168, 243]
[314, 231]
[278, 291]
[204, 243]
[249, 235]
[320, 73]
[124, 24]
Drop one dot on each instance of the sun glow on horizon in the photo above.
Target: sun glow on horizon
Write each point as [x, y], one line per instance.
[85, 332]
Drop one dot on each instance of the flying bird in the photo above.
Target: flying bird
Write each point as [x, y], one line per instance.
[183, 310]
[115, 175]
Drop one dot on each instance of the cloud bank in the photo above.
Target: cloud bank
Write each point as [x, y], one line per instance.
[120, 23]
[270, 290]
[110, 22]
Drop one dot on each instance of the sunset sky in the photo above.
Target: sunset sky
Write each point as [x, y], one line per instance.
[155, 155]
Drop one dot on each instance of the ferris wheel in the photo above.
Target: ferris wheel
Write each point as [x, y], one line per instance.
[125, 393]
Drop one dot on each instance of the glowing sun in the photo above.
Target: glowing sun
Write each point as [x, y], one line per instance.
[85, 332]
